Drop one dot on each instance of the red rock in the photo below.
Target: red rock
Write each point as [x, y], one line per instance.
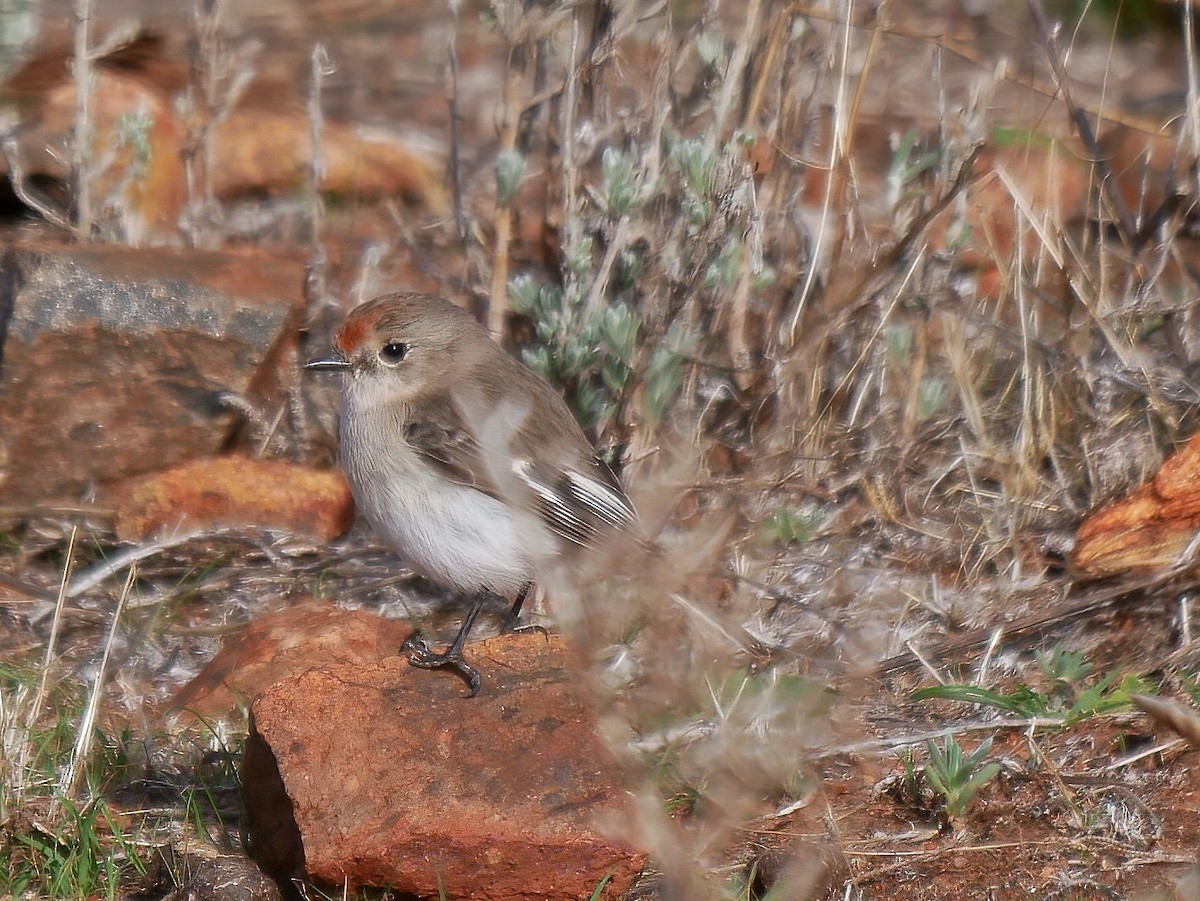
[261, 145]
[262, 148]
[282, 645]
[1149, 529]
[116, 362]
[138, 184]
[384, 775]
[236, 491]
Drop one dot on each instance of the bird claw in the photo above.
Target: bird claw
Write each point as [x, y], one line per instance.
[525, 629]
[415, 646]
[421, 655]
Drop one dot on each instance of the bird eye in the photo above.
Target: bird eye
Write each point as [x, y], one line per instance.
[393, 352]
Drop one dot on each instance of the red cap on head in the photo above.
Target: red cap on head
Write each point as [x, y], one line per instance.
[353, 332]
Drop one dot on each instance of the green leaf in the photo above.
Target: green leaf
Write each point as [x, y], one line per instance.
[600, 888]
[523, 294]
[1061, 665]
[955, 777]
[619, 328]
[710, 47]
[962, 799]
[615, 375]
[698, 167]
[792, 527]
[619, 186]
[1023, 701]
[1099, 699]
[538, 359]
[510, 169]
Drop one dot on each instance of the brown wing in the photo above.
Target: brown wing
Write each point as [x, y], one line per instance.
[448, 446]
[556, 469]
[576, 505]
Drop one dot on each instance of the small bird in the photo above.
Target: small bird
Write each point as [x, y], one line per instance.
[463, 459]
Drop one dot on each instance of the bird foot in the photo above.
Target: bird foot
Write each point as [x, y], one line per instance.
[421, 655]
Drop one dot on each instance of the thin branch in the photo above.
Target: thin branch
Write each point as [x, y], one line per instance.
[513, 107]
[16, 177]
[320, 68]
[82, 145]
[454, 174]
[1083, 125]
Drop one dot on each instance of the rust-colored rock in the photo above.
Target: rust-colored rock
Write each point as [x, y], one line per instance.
[261, 148]
[261, 145]
[119, 362]
[216, 492]
[282, 645]
[137, 180]
[392, 778]
[1149, 529]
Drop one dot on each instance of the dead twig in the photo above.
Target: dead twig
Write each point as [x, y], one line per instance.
[1132, 592]
[453, 173]
[1083, 126]
[321, 67]
[16, 177]
[81, 147]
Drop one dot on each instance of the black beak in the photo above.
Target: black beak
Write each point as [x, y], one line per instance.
[334, 365]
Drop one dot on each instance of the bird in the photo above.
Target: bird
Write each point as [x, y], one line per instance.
[464, 460]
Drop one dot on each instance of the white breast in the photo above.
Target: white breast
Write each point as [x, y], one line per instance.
[451, 533]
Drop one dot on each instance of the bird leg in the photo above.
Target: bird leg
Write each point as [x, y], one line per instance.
[512, 623]
[514, 615]
[420, 654]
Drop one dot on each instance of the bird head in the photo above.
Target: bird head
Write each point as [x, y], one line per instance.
[404, 345]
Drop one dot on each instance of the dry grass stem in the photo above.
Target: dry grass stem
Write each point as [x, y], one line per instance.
[868, 306]
[68, 783]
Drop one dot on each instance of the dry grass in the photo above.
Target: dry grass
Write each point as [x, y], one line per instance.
[866, 362]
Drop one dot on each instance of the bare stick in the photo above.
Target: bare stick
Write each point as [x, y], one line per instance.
[731, 82]
[616, 243]
[498, 299]
[1193, 82]
[81, 149]
[52, 642]
[208, 72]
[1083, 125]
[16, 177]
[321, 67]
[98, 572]
[570, 172]
[20, 766]
[460, 221]
[971, 54]
[791, 331]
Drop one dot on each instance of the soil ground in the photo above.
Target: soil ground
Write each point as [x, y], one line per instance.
[901, 475]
